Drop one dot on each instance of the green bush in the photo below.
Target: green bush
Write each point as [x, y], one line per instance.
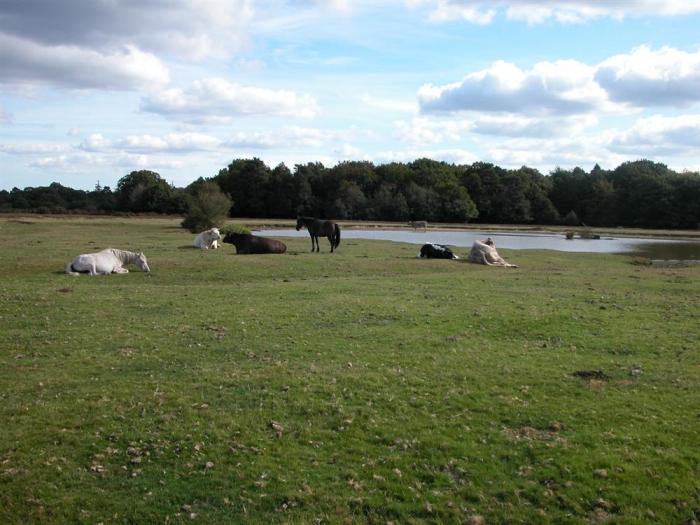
[206, 208]
[571, 219]
[234, 228]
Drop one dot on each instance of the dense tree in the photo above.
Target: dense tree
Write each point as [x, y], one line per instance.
[350, 203]
[246, 181]
[145, 191]
[310, 184]
[388, 204]
[484, 181]
[5, 202]
[641, 193]
[279, 197]
[423, 203]
[686, 200]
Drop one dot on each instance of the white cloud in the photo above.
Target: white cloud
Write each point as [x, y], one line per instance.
[32, 148]
[446, 10]
[428, 130]
[642, 78]
[425, 131]
[216, 100]
[539, 11]
[5, 117]
[456, 155]
[347, 152]
[558, 88]
[83, 161]
[95, 142]
[647, 77]
[141, 161]
[288, 138]
[26, 62]
[145, 143]
[658, 135]
[189, 28]
[399, 106]
[79, 161]
[115, 44]
[546, 154]
[191, 142]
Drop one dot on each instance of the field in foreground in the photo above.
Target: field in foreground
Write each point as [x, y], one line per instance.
[401, 390]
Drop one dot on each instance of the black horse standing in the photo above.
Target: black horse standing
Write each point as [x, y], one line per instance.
[318, 228]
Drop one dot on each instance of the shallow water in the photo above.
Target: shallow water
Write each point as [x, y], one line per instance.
[647, 247]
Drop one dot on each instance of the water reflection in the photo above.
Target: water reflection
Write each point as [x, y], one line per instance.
[646, 247]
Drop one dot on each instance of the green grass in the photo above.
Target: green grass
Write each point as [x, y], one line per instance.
[409, 391]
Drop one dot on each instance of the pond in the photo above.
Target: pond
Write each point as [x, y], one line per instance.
[663, 249]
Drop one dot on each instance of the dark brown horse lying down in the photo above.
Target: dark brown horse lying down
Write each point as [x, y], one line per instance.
[246, 243]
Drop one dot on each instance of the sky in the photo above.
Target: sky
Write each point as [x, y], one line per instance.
[91, 90]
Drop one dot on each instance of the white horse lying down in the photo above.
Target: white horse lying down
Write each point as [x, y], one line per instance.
[484, 252]
[207, 239]
[105, 262]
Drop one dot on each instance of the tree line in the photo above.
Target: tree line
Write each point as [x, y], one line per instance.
[635, 194]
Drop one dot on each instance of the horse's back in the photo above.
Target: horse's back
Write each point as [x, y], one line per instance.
[328, 228]
[251, 244]
[100, 262]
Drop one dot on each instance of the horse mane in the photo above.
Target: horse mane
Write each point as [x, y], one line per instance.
[124, 255]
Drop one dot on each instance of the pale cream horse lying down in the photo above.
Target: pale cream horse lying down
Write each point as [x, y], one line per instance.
[208, 239]
[484, 252]
[105, 262]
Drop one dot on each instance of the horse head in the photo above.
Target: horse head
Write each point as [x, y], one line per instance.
[142, 263]
[299, 223]
[215, 234]
[489, 242]
[232, 237]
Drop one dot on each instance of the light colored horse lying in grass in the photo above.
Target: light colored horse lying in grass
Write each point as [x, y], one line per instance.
[208, 239]
[105, 262]
[484, 252]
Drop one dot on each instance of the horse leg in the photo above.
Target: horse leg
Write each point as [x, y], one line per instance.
[318, 248]
[330, 240]
[312, 242]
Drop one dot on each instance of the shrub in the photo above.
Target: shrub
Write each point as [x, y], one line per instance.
[206, 208]
[571, 219]
[233, 228]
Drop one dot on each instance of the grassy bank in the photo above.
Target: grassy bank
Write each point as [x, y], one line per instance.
[401, 390]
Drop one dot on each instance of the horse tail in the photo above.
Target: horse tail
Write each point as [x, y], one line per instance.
[70, 270]
[336, 237]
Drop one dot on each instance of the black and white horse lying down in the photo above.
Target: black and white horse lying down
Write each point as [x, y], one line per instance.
[436, 251]
[482, 252]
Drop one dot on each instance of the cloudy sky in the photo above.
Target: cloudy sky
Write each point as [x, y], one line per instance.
[93, 89]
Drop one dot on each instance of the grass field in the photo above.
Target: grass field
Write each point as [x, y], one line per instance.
[401, 390]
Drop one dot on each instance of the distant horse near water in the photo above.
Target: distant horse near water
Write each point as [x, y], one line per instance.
[105, 262]
[418, 224]
[318, 228]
